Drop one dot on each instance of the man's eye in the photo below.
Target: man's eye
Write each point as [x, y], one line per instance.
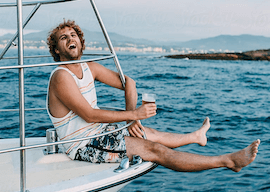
[64, 37]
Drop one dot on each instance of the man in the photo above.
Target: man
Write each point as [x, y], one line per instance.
[72, 107]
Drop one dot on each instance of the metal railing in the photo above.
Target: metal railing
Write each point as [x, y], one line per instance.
[68, 141]
[43, 56]
[19, 34]
[34, 3]
[57, 63]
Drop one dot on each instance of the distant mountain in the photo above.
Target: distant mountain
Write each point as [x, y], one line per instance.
[90, 36]
[6, 36]
[229, 42]
[222, 42]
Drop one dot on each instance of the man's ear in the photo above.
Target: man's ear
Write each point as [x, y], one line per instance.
[56, 51]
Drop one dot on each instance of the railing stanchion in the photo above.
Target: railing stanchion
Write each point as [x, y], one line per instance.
[116, 61]
[21, 96]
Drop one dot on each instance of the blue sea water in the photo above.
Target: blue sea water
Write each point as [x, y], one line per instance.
[233, 94]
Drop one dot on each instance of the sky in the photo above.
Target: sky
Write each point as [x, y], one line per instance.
[157, 20]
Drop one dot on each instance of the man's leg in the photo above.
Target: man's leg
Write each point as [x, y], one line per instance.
[187, 162]
[174, 140]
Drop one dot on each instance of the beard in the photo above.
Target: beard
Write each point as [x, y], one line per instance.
[71, 55]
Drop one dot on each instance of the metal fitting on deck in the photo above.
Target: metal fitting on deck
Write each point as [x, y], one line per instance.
[51, 137]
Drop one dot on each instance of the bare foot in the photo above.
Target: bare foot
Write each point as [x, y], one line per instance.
[201, 133]
[244, 157]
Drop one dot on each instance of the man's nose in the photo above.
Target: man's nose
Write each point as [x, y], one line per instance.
[70, 38]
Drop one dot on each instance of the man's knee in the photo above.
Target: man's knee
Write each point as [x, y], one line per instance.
[155, 148]
[147, 150]
[154, 151]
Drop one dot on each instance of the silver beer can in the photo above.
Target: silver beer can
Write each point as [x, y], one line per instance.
[51, 137]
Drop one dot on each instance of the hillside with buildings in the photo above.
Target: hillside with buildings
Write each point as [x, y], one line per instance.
[96, 42]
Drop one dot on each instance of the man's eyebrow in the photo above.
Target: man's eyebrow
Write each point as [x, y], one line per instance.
[61, 36]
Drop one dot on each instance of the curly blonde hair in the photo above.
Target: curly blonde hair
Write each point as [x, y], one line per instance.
[52, 40]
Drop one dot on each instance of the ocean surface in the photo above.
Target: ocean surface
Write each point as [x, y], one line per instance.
[235, 95]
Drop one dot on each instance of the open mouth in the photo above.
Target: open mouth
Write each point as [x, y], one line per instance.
[72, 46]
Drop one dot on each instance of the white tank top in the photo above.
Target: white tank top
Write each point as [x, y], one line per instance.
[72, 126]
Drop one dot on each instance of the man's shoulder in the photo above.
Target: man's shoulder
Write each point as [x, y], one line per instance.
[60, 75]
[94, 67]
[92, 64]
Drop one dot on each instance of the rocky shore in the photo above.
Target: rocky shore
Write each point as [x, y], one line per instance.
[257, 55]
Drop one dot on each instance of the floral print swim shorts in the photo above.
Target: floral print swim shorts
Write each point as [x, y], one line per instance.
[105, 149]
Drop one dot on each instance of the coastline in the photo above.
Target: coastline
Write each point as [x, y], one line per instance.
[256, 55]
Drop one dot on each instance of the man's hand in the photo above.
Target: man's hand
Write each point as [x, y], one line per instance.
[136, 129]
[145, 111]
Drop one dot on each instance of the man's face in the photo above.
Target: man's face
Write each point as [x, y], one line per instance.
[69, 46]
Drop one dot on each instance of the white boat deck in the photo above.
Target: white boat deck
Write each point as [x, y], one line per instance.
[42, 169]
[57, 172]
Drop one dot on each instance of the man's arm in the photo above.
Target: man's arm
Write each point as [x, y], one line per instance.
[64, 88]
[131, 95]
[131, 102]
